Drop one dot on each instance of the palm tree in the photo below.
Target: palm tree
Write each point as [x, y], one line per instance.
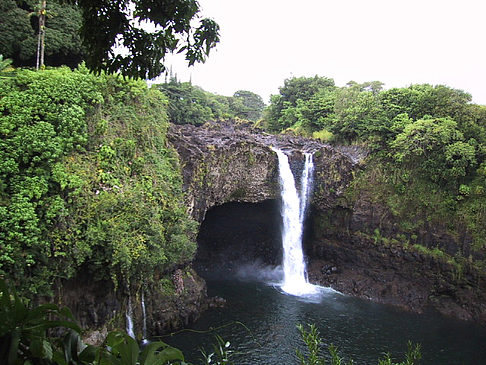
[40, 41]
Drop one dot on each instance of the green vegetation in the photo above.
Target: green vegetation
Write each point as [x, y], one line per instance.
[190, 104]
[428, 146]
[304, 105]
[19, 33]
[247, 105]
[68, 32]
[313, 356]
[87, 181]
[177, 28]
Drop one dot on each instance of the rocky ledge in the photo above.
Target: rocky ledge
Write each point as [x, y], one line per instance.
[234, 162]
[175, 301]
[398, 276]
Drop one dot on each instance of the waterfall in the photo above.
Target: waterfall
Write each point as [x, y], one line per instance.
[129, 316]
[144, 321]
[306, 185]
[293, 214]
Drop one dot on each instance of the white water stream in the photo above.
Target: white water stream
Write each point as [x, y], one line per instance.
[293, 210]
[129, 316]
[144, 323]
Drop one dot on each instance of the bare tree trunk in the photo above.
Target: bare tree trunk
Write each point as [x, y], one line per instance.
[40, 40]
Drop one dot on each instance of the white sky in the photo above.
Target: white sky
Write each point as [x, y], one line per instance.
[398, 42]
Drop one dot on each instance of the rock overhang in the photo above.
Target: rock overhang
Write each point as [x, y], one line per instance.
[234, 162]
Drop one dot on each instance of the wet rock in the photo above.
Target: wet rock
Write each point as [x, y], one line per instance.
[216, 302]
[99, 308]
[398, 277]
[170, 308]
[96, 337]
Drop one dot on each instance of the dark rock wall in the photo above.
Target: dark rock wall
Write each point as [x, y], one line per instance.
[224, 163]
[93, 303]
[175, 301]
[349, 248]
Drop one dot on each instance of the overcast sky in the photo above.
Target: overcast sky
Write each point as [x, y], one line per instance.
[263, 42]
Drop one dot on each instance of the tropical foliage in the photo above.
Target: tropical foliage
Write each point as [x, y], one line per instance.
[189, 104]
[87, 180]
[112, 36]
[176, 27]
[427, 145]
[19, 33]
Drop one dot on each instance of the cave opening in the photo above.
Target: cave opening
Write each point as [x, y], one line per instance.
[239, 237]
[239, 234]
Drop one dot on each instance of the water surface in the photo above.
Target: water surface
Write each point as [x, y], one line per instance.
[362, 330]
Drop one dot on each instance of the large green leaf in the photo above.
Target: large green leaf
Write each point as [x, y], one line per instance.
[159, 353]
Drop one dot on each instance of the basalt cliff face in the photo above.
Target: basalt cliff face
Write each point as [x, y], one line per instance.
[226, 164]
[177, 300]
[221, 163]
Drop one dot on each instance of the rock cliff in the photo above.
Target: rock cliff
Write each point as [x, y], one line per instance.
[231, 162]
[231, 170]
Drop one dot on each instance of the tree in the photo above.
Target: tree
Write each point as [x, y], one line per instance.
[190, 104]
[250, 105]
[359, 114]
[21, 33]
[435, 147]
[420, 100]
[109, 25]
[283, 111]
[41, 36]
[114, 33]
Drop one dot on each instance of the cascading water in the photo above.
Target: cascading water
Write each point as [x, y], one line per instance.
[306, 185]
[293, 214]
[129, 316]
[144, 321]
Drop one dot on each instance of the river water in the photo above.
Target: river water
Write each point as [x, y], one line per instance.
[362, 330]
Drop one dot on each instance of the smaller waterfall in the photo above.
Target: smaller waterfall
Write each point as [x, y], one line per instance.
[144, 321]
[293, 214]
[306, 185]
[129, 316]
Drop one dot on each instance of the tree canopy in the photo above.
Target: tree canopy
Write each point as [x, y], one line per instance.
[132, 37]
[19, 28]
[116, 39]
[189, 104]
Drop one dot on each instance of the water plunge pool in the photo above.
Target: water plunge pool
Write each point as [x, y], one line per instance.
[362, 330]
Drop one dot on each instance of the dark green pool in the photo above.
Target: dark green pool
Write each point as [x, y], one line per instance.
[362, 330]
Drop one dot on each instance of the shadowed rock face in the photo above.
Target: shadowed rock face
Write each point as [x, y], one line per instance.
[236, 234]
[227, 162]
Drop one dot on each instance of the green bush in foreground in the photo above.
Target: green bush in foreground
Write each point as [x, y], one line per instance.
[313, 356]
